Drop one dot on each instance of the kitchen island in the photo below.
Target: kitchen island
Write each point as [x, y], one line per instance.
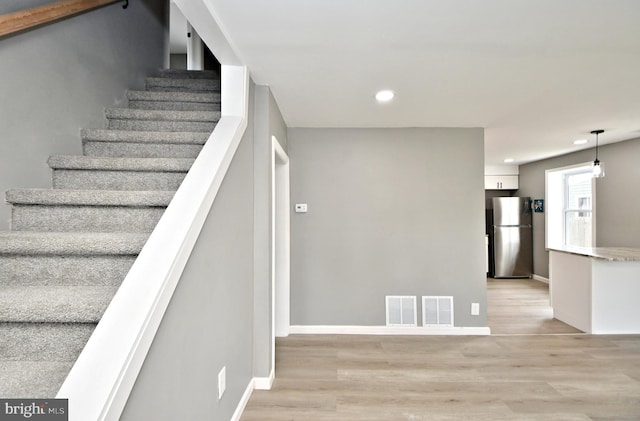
[596, 289]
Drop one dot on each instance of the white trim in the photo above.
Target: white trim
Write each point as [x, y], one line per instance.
[195, 50]
[540, 278]
[387, 330]
[203, 17]
[100, 382]
[244, 400]
[554, 213]
[281, 240]
[264, 383]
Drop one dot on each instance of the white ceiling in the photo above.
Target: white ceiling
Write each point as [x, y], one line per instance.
[536, 74]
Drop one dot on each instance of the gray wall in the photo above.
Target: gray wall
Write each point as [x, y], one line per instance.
[268, 122]
[59, 78]
[617, 199]
[209, 322]
[390, 212]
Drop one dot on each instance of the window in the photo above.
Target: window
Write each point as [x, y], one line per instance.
[577, 209]
[569, 217]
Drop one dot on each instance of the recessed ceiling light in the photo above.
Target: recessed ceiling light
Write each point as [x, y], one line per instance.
[507, 160]
[580, 142]
[384, 96]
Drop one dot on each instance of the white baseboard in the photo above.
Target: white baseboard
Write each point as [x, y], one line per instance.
[243, 401]
[387, 330]
[264, 383]
[540, 278]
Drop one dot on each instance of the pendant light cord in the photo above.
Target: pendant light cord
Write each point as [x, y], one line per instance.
[597, 132]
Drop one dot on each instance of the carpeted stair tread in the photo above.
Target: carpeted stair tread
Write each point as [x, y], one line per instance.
[34, 270]
[136, 136]
[176, 101]
[73, 162]
[161, 125]
[188, 74]
[24, 341]
[161, 115]
[141, 150]
[54, 304]
[33, 379]
[71, 243]
[157, 198]
[180, 84]
[159, 96]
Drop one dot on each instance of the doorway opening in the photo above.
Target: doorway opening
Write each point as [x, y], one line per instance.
[186, 50]
[280, 243]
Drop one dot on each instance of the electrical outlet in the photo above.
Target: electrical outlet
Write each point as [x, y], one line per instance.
[222, 382]
[475, 309]
[301, 207]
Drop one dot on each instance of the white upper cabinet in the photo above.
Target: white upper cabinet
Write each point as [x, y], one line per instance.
[501, 177]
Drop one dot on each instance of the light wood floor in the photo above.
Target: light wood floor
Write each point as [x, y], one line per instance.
[521, 306]
[519, 376]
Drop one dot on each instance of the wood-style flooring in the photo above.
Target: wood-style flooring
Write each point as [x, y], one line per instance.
[519, 376]
[521, 306]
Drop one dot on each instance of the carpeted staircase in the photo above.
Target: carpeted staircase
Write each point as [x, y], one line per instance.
[70, 247]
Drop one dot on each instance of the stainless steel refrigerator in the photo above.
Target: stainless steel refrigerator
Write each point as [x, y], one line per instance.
[510, 237]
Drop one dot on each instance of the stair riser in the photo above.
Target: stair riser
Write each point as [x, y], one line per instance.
[141, 150]
[143, 137]
[36, 379]
[161, 126]
[173, 106]
[181, 84]
[85, 218]
[43, 341]
[64, 270]
[116, 180]
[189, 74]
[54, 304]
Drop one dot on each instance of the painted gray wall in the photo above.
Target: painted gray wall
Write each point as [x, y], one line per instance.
[617, 201]
[268, 122]
[209, 322]
[390, 212]
[59, 78]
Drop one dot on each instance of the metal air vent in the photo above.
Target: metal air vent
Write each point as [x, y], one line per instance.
[401, 310]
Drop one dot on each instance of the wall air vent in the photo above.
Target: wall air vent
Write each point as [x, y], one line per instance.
[437, 311]
[401, 310]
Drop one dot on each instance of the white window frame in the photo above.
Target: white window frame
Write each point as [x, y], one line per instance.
[555, 194]
[566, 210]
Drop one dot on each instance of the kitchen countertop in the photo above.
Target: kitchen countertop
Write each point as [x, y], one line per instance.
[611, 254]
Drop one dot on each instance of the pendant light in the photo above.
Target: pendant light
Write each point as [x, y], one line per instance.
[597, 168]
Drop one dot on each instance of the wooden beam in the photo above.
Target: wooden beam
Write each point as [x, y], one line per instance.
[30, 18]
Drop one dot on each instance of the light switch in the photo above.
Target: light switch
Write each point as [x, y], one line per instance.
[475, 309]
[301, 207]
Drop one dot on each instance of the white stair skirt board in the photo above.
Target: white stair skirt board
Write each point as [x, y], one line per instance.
[388, 330]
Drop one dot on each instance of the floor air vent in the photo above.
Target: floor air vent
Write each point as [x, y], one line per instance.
[401, 311]
[437, 311]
